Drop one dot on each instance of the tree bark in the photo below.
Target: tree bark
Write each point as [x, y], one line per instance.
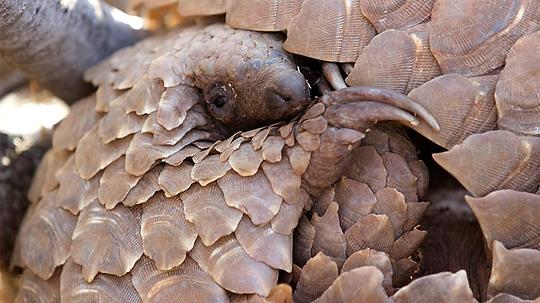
[54, 41]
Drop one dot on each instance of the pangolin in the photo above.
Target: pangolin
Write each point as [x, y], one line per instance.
[473, 64]
[183, 178]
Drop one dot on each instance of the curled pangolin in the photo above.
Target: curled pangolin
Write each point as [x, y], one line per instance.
[486, 53]
[149, 195]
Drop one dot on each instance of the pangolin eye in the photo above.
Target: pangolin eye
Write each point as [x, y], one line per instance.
[219, 101]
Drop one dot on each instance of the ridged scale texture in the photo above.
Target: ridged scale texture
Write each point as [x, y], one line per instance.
[111, 200]
[366, 213]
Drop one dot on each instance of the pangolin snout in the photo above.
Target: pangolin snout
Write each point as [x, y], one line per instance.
[290, 92]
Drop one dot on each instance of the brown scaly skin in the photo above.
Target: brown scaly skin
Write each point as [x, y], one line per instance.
[121, 203]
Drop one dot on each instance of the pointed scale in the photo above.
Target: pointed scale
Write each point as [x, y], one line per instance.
[442, 287]
[207, 204]
[252, 195]
[232, 268]
[74, 193]
[92, 155]
[355, 200]
[371, 257]
[514, 271]
[329, 238]
[82, 118]
[115, 183]
[117, 123]
[45, 237]
[34, 289]
[265, 245]
[510, 217]
[104, 288]
[494, 160]
[167, 235]
[462, 107]
[362, 284]
[107, 241]
[174, 104]
[317, 275]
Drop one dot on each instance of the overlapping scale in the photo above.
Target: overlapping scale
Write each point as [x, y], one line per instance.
[373, 212]
[371, 231]
[510, 217]
[232, 268]
[104, 288]
[400, 176]
[518, 94]
[34, 289]
[371, 257]
[246, 160]
[494, 160]
[174, 104]
[82, 118]
[284, 181]
[396, 14]
[107, 241]
[391, 202]
[330, 30]
[117, 123]
[45, 237]
[317, 275]
[92, 155]
[355, 200]
[304, 236]
[207, 204]
[194, 118]
[75, 193]
[442, 287]
[329, 237]
[262, 15]
[167, 235]
[252, 195]
[396, 60]
[367, 166]
[281, 293]
[514, 271]
[287, 217]
[115, 183]
[185, 284]
[346, 288]
[209, 170]
[142, 153]
[299, 159]
[175, 179]
[145, 189]
[178, 158]
[462, 106]
[472, 38]
[265, 245]
[143, 98]
[44, 180]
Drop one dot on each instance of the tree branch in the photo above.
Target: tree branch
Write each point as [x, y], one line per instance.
[55, 41]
